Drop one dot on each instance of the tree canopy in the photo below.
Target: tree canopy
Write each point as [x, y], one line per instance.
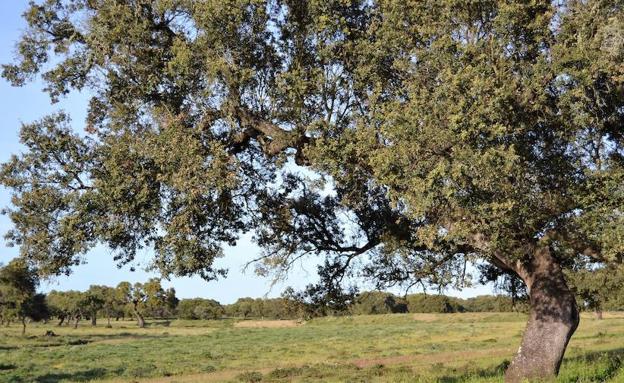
[18, 294]
[435, 132]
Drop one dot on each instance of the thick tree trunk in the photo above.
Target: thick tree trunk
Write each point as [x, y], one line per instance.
[553, 319]
[93, 320]
[23, 326]
[76, 321]
[62, 319]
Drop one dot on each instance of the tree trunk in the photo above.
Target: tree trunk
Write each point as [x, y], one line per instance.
[62, 319]
[553, 319]
[76, 321]
[599, 314]
[108, 325]
[140, 320]
[93, 320]
[23, 326]
[139, 317]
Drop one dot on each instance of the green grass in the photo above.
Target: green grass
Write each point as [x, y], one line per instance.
[443, 348]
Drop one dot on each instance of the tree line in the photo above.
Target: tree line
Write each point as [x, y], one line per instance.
[20, 301]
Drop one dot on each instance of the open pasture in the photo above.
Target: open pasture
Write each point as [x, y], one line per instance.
[379, 348]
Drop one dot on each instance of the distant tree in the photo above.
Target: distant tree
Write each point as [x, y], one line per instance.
[242, 308]
[171, 301]
[155, 299]
[62, 305]
[135, 298]
[377, 302]
[18, 293]
[598, 287]
[494, 303]
[326, 297]
[432, 303]
[113, 305]
[94, 301]
[37, 308]
[200, 308]
[159, 303]
[77, 305]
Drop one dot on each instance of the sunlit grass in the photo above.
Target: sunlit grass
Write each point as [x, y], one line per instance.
[382, 348]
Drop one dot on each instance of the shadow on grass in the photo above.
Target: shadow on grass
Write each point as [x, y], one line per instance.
[616, 353]
[6, 348]
[462, 376]
[614, 358]
[124, 334]
[78, 376]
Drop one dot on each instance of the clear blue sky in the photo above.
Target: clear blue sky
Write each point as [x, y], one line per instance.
[29, 103]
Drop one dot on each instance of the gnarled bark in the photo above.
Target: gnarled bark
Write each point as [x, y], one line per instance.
[553, 319]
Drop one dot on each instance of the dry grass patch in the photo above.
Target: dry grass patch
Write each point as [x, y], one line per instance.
[267, 324]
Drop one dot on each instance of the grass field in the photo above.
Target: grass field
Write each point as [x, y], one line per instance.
[444, 348]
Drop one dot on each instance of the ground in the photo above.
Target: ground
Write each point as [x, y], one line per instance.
[445, 348]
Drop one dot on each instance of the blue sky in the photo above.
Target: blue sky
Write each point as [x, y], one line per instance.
[29, 103]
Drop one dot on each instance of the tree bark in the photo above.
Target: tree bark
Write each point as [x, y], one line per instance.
[140, 320]
[139, 317]
[23, 326]
[77, 319]
[62, 319]
[93, 320]
[553, 319]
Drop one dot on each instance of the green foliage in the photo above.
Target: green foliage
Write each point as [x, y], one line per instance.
[449, 133]
[425, 303]
[434, 133]
[494, 303]
[68, 305]
[599, 289]
[377, 302]
[147, 299]
[199, 308]
[454, 132]
[270, 308]
[18, 293]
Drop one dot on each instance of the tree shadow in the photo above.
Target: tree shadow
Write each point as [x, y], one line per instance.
[78, 376]
[6, 348]
[615, 356]
[595, 355]
[476, 373]
[124, 335]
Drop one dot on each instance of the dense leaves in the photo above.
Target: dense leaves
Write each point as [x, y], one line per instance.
[446, 131]
[433, 134]
[18, 294]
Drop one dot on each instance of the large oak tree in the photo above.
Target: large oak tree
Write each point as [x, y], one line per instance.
[448, 131]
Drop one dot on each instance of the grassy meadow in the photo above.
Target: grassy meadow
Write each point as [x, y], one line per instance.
[443, 348]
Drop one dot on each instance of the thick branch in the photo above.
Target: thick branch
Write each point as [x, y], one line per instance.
[276, 139]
